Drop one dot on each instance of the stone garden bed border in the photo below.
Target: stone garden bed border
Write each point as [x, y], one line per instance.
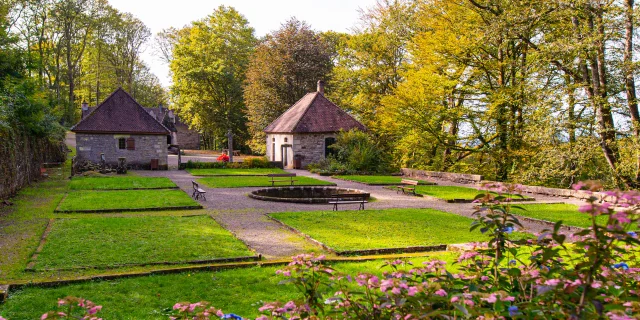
[128, 189]
[130, 209]
[57, 209]
[379, 251]
[6, 288]
[43, 239]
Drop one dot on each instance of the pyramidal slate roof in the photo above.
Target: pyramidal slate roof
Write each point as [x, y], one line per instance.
[314, 114]
[120, 113]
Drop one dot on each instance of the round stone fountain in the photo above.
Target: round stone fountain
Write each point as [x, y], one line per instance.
[303, 194]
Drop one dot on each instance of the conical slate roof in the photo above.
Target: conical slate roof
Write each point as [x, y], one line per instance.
[120, 113]
[314, 114]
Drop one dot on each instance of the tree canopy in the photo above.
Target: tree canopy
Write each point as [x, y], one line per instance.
[208, 65]
[286, 65]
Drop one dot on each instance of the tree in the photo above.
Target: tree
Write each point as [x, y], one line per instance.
[287, 64]
[76, 20]
[208, 66]
[370, 62]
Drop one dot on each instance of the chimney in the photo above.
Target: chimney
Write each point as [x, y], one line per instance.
[85, 106]
[321, 87]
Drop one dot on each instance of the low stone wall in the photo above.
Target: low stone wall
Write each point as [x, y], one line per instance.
[477, 180]
[22, 156]
[447, 176]
[556, 192]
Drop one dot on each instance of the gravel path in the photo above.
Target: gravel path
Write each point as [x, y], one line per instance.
[246, 218]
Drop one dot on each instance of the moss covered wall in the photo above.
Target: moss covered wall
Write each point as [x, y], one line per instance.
[21, 156]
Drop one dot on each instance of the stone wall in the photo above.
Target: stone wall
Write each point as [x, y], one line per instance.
[22, 157]
[310, 146]
[448, 176]
[477, 180]
[187, 138]
[147, 147]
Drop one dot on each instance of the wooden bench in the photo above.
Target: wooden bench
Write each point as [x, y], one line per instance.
[198, 192]
[273, 177]
[408, 186]
[347, 198]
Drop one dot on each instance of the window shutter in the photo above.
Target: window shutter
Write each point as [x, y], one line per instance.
[131, 144]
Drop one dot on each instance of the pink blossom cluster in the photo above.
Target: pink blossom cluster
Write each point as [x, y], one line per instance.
[74, 308]
[198, 310]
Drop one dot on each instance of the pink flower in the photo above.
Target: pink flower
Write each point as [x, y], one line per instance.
[578, 186]
[596, 284]
[552, 282]
[469, 302]
[94, 310]
[219, 313]
[442, 293]
[586, 208]
[484, 278]
[262, 317]
[396, 290]
[290, 305]
[621, 217]
[455, 299]
[508, 298]
[44, 316]
[412, 291]
[491, 299]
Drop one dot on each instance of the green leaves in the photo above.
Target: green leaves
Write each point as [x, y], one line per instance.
[209, 62]
[286, 65]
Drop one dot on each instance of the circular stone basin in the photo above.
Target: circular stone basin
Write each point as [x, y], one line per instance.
[303, 194]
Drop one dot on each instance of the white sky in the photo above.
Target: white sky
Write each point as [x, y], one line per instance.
[263, 15]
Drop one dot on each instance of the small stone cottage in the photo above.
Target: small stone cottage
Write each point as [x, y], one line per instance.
[120, 127]
[307, 129]
[181, 134]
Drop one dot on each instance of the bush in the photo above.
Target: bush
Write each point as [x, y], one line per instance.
[247, 164]
[355, 152]
[595, 277]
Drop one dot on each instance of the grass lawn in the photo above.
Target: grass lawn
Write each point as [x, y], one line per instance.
[375, 229]
[129, 199]
[568, 213]
[235, 172]
[120, 183]
[240, 291]
[239, 182]
[380, 180]
[102, 242]
[451, 192]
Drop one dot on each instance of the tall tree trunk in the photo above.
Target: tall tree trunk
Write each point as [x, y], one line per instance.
[604, 117]
[452, 134]
[502, 172]
[630, 85]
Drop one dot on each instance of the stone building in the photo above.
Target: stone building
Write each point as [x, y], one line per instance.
[181, 135]
[120, 127]
[307, 129]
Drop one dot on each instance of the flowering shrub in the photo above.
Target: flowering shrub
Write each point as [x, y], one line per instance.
[595, 276]
[223, 158]
[74, 308]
